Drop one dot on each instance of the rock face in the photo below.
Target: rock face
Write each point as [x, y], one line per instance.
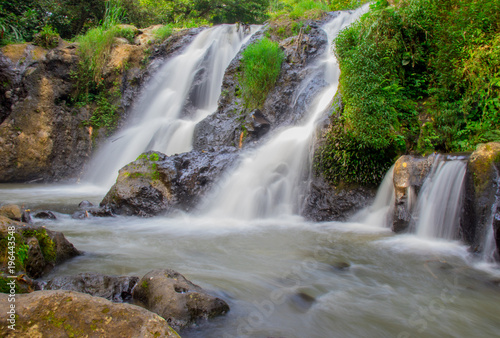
[156, 183]
[73, 314]
[38, 250]
[409, 175]
[327, 203]
[483, 197]
[176, 299]
[113, 288]
[285, 104]
[43, 136]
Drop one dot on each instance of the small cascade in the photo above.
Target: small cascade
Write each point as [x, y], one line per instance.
[184, 91]
[271, 180]
[379, 213]
[439, 204]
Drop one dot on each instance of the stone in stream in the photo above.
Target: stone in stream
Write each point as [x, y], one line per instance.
[113, 288]
[39, 249]
[74, 314]
[45, 215]
[172, 296]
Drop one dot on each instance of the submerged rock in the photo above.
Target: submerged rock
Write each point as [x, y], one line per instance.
[45, 215]
[113, 288]
[172, 296]
[156, 183]
[73, 314]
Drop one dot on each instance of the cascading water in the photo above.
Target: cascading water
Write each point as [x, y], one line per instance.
[490, 247]
[440, 201]
[159, 121]
[270, 181]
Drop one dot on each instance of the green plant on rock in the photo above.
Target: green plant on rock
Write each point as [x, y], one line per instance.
[261, 67]
[47, 37]
[47, 245]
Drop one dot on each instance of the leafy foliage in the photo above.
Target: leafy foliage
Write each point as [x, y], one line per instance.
[261, 67]
[47, 38]
[421, 76]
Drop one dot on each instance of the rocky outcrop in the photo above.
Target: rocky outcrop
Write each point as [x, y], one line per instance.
[156, 183]
[73, 314]
[113, 288]
[37, 250]
[409, 175]
[327, 203]
[285, 104]
[43, 135]
[172, 296]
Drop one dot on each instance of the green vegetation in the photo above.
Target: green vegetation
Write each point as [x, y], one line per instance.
[47, 245]
[47, 38]
[261, 67]
[417, 77]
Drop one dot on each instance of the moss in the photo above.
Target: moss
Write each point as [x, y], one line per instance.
[105, 310]
[144, 284]
[21, 251]
[47, 245]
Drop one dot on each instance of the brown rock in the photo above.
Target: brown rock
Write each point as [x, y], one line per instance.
[73, 314]
[172, 296]
[11, 211]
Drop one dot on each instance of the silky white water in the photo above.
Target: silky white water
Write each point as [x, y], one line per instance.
[159, 122]
[271, 180]
[440, 201]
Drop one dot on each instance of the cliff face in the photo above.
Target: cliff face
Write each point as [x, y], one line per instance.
[43, 135]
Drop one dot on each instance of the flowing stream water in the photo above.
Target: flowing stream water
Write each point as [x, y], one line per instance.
[161, 121]
[281, 275]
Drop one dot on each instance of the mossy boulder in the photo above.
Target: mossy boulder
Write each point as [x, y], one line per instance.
[74, 314]
[172, 296]
[36, 250]
[156, 183]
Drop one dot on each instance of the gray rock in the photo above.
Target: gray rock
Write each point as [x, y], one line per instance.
[113, 288]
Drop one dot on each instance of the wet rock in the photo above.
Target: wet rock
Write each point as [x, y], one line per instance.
[302, 301]
[341, 266]
[328, 203]
[52, 314]
[257, 124]
[11, 211]
[113, 288]
[156, 183]
[26, 216]
[409, 175]
[80, 214]
[172, 296]
[45, 215]
[85, 204]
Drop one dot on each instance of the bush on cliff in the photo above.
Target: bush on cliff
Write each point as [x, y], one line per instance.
[420, 76]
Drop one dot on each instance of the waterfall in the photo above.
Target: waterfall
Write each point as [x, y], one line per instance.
[379, 213]
[271, 180]
[184, 91]
[440, 201]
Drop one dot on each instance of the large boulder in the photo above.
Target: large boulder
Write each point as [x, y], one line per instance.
[156, 183]
[37, 250]
[113, 288]
[73, 314]
[172, 296]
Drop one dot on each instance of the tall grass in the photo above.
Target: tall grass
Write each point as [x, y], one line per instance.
[261, 68]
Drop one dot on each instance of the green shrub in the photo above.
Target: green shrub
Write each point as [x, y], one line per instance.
[261, 67]
[47, 38]
[162, 33]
